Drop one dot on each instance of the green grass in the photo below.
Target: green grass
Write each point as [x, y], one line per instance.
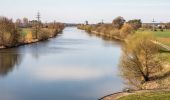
[161, 34]
[164, 34]
[148, 96]
[24, 31]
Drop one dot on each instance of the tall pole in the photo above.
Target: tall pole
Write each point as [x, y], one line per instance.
[38, 23]
[153, 21]
[38, 18]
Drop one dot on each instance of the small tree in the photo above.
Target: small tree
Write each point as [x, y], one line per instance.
[25, 22]
[136, 23]
[8, 32]
[118, 22]
[139, 60]
[18, 23]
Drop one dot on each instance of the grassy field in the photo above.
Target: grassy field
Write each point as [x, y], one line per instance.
[160, 34]
[164, 34]
[148, 96]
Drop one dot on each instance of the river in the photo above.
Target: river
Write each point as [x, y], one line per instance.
[72, 66]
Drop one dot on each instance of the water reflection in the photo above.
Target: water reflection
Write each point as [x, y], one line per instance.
[107, 40]
[69, 73]
[72, 66]
[8, 60]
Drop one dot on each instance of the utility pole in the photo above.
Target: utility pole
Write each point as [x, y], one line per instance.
[38, 23]
[153, 21]
[38, 16]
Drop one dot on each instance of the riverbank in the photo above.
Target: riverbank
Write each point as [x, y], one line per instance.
[104, 30]
[28, 37]
[13, 34]
[158, 81]
[108, 36]
[20, 44]
[141, 94]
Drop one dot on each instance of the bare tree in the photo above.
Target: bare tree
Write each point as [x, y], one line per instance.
[8, 32]
[140, 59]
[18, 22]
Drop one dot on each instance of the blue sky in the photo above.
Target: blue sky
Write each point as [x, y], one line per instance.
[91, 10]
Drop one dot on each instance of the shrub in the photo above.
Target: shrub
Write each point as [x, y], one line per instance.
[115, 32]
[140, 59]
[136, 23]
[43, 34]
[28, 37]
[8, 32]
[126, 30]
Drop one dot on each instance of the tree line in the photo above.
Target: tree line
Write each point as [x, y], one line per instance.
[141, 62]
[119, 28]
[16, 33]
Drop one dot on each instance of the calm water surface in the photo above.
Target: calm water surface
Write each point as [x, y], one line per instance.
[72, 66]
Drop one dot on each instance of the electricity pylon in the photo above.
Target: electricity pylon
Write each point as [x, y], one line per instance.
[38, 23]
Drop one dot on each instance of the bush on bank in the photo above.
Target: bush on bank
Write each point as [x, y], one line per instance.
[12, 35]
[8, 32]
[108, 30]
[119, 28]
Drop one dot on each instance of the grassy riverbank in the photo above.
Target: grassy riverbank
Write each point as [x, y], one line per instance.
[105, 30]
[12, 35]
[162, 94]
[147, 96]
[119, 29]
[28, 36]
[148, 65]
[163, 36]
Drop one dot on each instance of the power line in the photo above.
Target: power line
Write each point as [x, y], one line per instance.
[38, 16]
[38, 24]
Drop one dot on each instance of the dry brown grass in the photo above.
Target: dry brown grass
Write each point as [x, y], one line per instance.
[164, 40]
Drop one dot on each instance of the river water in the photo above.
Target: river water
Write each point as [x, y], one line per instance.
[72, 66]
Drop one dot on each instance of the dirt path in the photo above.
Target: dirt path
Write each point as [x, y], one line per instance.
[115, 96]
